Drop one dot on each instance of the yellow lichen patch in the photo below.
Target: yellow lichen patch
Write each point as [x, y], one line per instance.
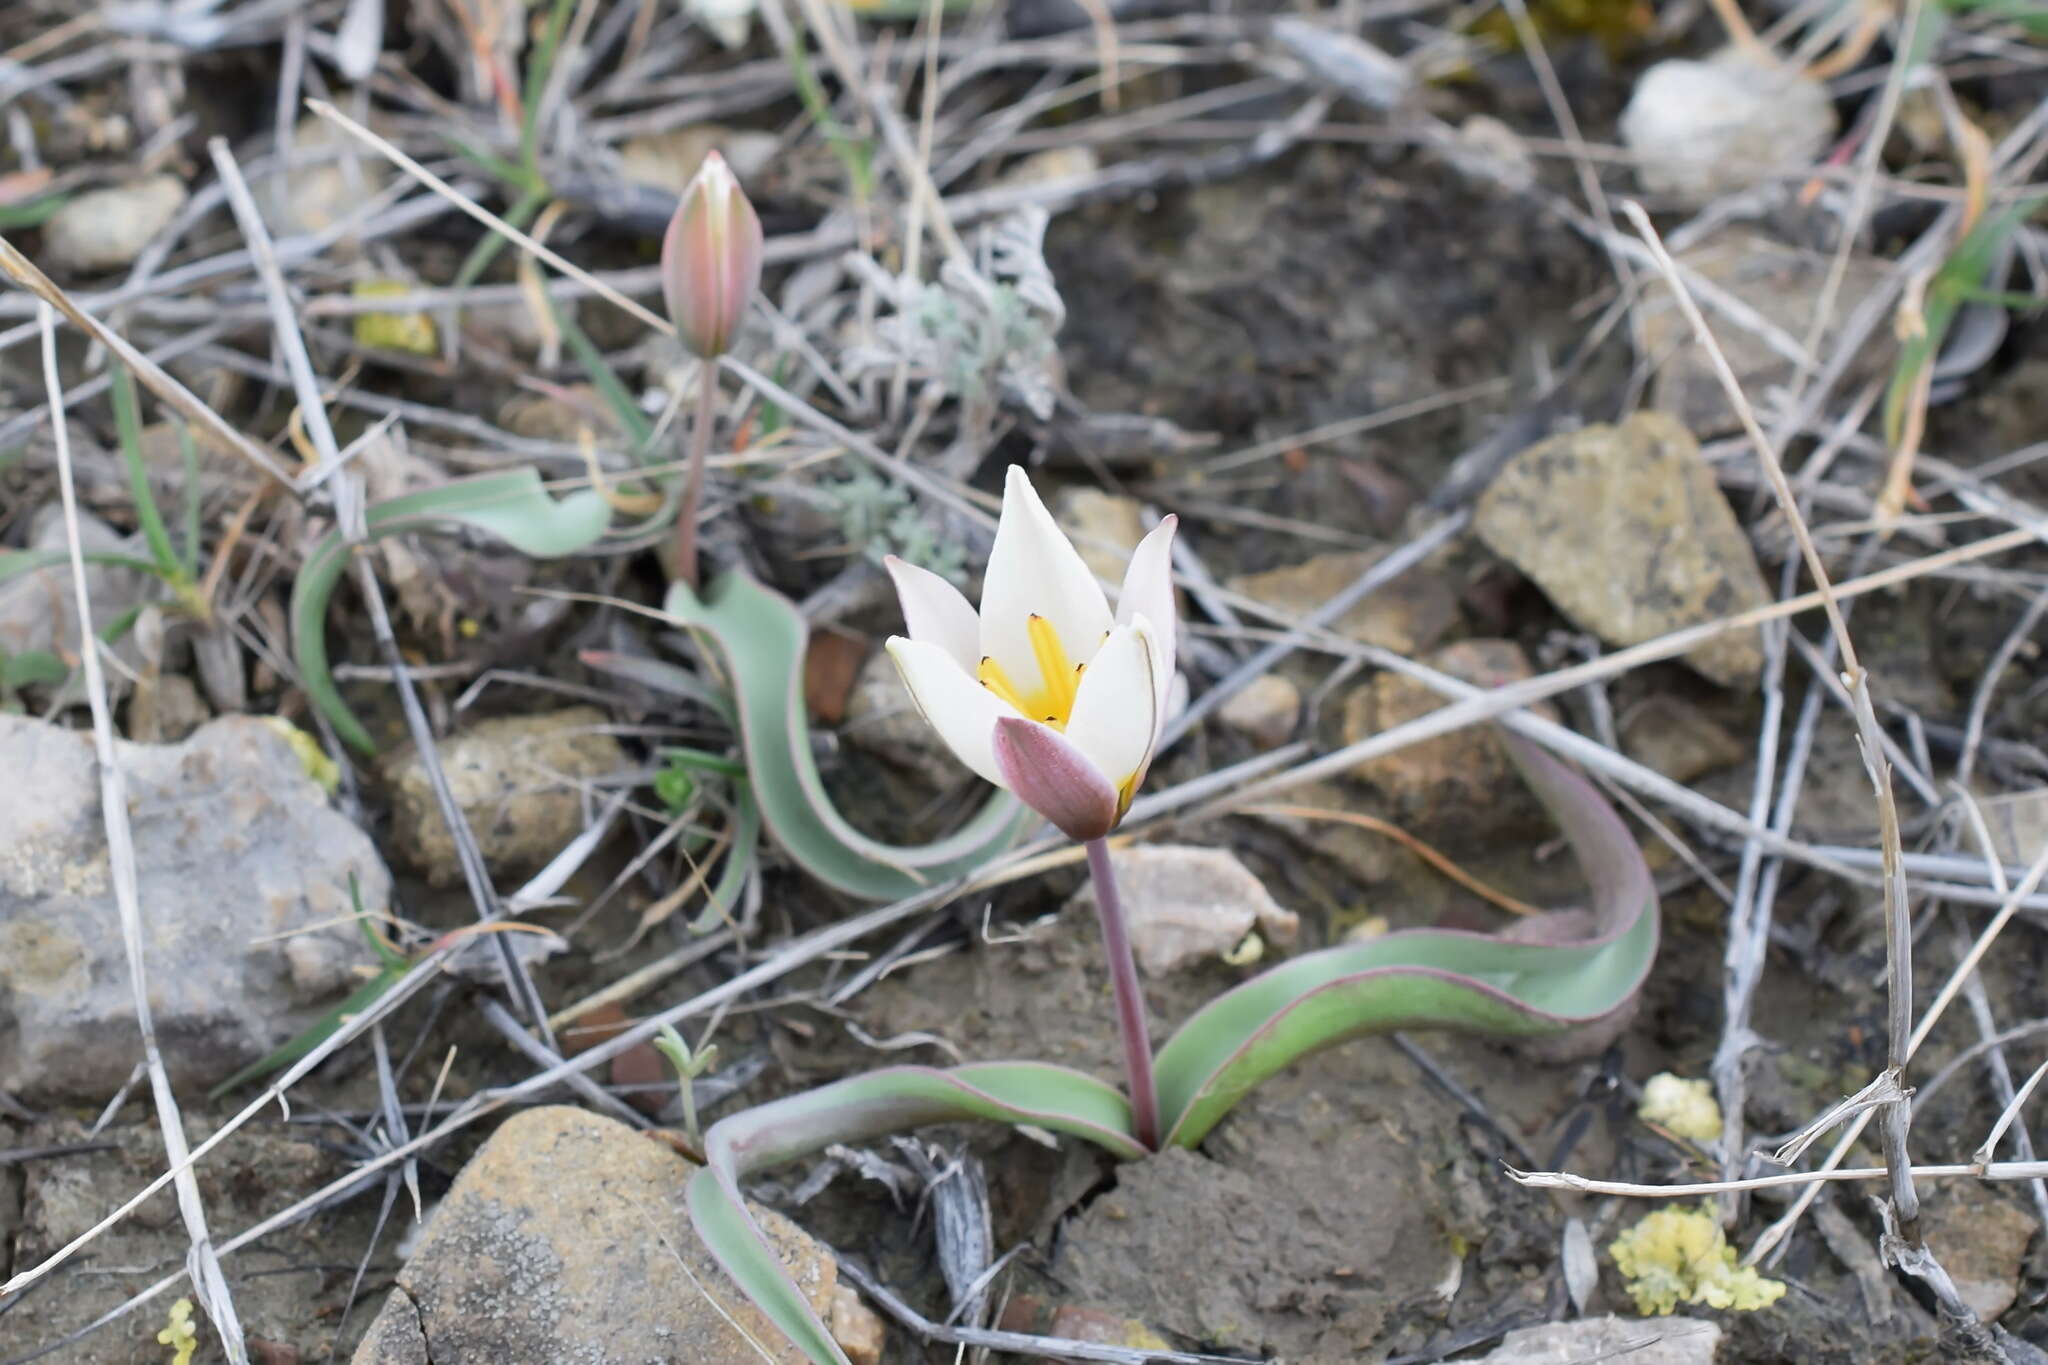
[1681, 1107]
[412, 333]
[318, 765]
[1680, 1255]
[179, 1334]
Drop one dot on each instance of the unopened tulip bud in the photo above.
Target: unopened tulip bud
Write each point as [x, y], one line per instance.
[711, 259]
[1055, 779]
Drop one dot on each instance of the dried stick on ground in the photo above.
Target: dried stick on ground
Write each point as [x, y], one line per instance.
[202, 1262]
[1898, 920]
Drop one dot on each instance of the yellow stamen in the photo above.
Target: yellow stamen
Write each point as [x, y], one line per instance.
[1062, 683]
[991, 676]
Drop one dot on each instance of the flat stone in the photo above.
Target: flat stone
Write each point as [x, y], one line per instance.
[1981, 1239]
[1453, 778]
[1639, 1341]
[1105, 528]
[1625, 530]
[1678, 739]
[516, 779]
[882, 718]
[2018, 822]
[38, 609]
[1185, 904]
[1407, 615]
[566, 1240]
[330, 178]
[562, 416]
[1782, 284]
[670, 160]
[166, 708]
[106, 229]
[1266, 712]
[243, 873]
[1704, 129]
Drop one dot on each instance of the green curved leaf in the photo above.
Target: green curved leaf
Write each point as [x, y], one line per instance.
[1427, 978]
[513, 506]
[739, 863]
[763, 637]
[862, 1107]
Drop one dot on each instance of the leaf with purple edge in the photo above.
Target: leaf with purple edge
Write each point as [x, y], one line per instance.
[1477, 983]
[890, 1100]
[763, 638]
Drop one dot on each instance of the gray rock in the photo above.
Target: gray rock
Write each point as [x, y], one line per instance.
[1980, 1237]
[1626, 531]
[882, 718]
[566, 1240]
[1704, 129]
[669, 161]
[1407, 615]
[1186, 904]
[1678, 739]
[518, 781]
[2019, 824]
[1640, 1341]
[107, 229]
[38, 609]
[165, 709]
[331, 177]
[236, 848]
[1459, 780]
[1104, 527]
[1782, 284]
[1266, 712]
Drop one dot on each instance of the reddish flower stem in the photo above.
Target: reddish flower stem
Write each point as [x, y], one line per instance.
[1130, 1001]
[693, 475]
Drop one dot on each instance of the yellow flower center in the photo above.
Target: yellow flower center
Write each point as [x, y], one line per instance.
[1057, 684]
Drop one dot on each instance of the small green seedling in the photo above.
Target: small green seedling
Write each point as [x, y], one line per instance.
[689, 1066]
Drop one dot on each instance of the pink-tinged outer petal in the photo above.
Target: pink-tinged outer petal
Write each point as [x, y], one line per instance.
[935, 612]
[1035, 570]
[1054, 778]
[1116, 713]
[1148, 592]
[959, 708]
[711, 259]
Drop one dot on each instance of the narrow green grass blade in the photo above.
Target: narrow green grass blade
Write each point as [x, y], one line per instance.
[763, 638]
[128, 424]
[321, 1029]
[739, 862]
[859, 1108]
[14, 562]
[603, 377]
[513, 506]
[1427, 978]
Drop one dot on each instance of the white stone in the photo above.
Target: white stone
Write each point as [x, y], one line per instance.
[1266, 712]
[1639, 1341]
[242, 865]
[106, 229]
[1185, 904]
[1700, 130]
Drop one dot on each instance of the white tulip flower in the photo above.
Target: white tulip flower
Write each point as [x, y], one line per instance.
[1045, 692]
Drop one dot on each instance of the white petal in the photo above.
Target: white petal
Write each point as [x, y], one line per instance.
[1035, 570]
[959, 708]
[935, 612]
[1116, 715]
[1147, 594]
